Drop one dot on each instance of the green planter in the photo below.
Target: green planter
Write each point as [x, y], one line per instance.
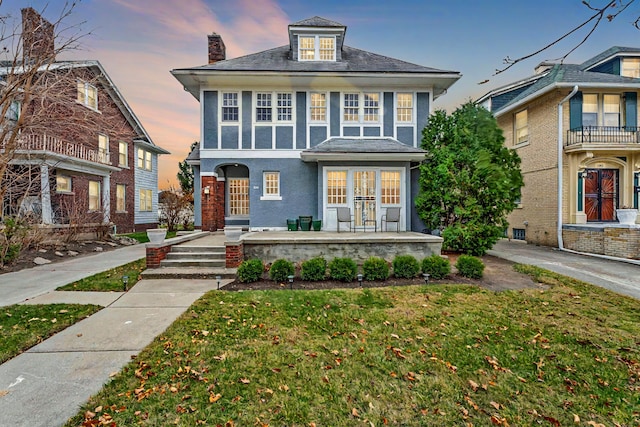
[317, 225]
[305, 222]
[292, 224]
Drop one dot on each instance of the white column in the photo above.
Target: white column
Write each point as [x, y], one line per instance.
[106, 199]
[45, 194]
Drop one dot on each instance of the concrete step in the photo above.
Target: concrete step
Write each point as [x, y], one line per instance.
[192, 263]
[188, 273]
[198, 249]
[213, 256]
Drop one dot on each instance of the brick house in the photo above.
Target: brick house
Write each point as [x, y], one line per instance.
[81, 155]
[589, 112]
[306, 128]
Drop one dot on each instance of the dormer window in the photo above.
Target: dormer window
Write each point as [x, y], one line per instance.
[631, 67]
[316, 48]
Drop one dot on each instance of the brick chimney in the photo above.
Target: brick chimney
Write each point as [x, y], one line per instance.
[37, 37]
[217, 49]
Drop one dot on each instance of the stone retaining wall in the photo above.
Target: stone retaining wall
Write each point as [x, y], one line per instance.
[616, 240]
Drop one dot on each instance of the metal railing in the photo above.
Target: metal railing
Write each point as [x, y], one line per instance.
[35, 143]
[603, 135]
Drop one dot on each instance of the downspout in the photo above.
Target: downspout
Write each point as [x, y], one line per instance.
[560, 152]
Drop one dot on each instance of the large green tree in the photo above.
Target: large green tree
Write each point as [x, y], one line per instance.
[470, 181]
[185, 173]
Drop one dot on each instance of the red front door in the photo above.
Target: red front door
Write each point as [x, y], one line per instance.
[601, 194]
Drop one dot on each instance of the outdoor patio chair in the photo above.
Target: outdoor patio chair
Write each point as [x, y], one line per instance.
[344, 215]
[392, 215]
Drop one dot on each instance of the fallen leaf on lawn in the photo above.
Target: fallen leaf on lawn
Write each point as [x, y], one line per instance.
[576, 419]
[88, 415]
[354, 412]
[276, 370]
[245, 380]
[474, 385]
[98, 409]
[495, 405]
[113, 374]
[595, 424]
[395, 336]
[214, 398]
[172, 389]
[205, 333]
[54, 320]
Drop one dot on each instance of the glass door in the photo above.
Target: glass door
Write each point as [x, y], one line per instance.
[364, 199]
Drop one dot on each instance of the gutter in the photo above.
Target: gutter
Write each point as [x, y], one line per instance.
[559, 228]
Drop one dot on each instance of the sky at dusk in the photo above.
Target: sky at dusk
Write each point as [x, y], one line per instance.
[138, 42]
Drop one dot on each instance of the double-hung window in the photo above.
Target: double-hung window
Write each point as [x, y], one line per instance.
[361, 107]
[87, 94]
[601, 110]
[94, 196]
[103, 148]
[123, 154]
[144, 159]
[271, 185]
[121, 191]
[146, 200]
[230, 110]
[611, 110]
[631, 67]
[521, 127]
[318, 107]
[404, 108]
[316, 48]
[589, 109]
[63, 184]
[337, 187]
[269, 111]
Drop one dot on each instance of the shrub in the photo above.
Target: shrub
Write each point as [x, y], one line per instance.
[343, 269]
[436, 266]
[314, 269]
[375, 268]
[405, 266]
[470, 266]
[475, 239]
[250, 270]
[281, 269]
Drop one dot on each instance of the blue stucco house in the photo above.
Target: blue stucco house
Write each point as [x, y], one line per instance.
[307, 127]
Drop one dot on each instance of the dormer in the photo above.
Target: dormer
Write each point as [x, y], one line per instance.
[316, 39]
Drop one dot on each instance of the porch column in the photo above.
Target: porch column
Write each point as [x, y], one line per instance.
[106, 199]
[45, 194]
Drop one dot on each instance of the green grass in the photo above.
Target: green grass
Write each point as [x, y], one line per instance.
[433, 356]
[141, 236]
[23, 326]
[109, 281]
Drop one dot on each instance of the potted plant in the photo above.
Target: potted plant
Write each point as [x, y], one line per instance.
[627, 215]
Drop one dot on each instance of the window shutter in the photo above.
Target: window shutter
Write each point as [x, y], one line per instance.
[631, 109]
[575, 111]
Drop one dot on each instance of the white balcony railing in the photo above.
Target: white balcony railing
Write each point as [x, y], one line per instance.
[46, 143]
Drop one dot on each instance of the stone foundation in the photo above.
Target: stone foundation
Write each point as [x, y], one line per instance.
[621, 241]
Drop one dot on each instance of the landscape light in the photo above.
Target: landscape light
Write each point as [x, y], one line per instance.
[218, 278]
[125, 281]
[290, 282]
[426, 278]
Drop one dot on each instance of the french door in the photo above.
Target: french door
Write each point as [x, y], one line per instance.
[365, 198]
[601, 194]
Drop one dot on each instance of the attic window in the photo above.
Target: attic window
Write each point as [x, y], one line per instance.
[631, 67]
[316, 48]
[87, 95]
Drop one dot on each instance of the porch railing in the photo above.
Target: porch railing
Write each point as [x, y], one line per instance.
[36, 143]
[603, 135]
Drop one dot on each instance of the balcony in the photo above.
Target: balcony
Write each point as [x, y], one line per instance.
[32, 144]
[590, 137]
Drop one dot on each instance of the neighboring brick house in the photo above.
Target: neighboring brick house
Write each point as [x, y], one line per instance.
[308, 127]
[598, 136]
[82, 154]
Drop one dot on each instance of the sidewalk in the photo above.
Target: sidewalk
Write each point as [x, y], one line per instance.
[29, 283]
[618, 276]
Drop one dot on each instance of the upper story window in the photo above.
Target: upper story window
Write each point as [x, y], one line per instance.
[318, 107]
[144, 159]
[87, 95]
[123, 151]
[13, 112]
[361, 107]
[404, 108]
[600, 110]
[266, 110]
[631, 67]
[521, 127]
[316, 48]
[103, 148]
[230, 110]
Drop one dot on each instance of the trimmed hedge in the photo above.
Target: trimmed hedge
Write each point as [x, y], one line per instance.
[375, 268]
[405, 266]
[314, 269]
[280, 270]
[436, 266]
[343, 269]
[470, 266]
[250, 270]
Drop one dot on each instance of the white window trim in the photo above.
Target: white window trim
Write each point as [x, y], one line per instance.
[316, 44]
[221, 106]
[517, 143]
[361, 107]
[124, 198]
[413, 109]
[600, 113]
[126, 154]
[85, 102]
[264, 187]
[326, 107]
[274, 108]
[67, 178]
[148, 197]
[99, 196]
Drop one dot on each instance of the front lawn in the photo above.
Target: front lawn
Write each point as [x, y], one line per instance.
[111, 280]
[418, 355]
[23, 326]
[141, 236]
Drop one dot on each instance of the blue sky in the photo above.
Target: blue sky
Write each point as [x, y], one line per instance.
[140, 41]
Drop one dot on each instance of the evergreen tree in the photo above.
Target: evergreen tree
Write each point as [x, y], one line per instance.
[470, 180]
[185, 173]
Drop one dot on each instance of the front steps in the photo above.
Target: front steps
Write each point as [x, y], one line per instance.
[196, 262]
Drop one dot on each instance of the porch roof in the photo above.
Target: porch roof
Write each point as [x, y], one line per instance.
[363, 149]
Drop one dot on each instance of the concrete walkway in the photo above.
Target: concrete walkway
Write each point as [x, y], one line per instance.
[618, 276]
[29, 283]
[47, 384]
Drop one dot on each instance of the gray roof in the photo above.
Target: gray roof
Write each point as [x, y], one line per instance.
[363, 145]
[316, 21]
[353, 60]
[609, 53]
[194, 155]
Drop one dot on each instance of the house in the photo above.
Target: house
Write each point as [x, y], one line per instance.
[308, 127]
[78, 153]
[589, 114]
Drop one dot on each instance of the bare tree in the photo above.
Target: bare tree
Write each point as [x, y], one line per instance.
[608, 12]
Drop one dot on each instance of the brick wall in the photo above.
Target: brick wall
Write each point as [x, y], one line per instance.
[212, 204]
[620, 242]
[234, 254]
[155, 255]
